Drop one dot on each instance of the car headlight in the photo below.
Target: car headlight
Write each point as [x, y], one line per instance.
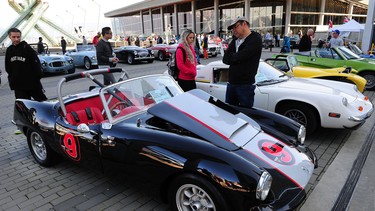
[166, 50]
[302, 134]
[345, 101]
[93, 58]
[135, 52]
[264, 186]
[44, 63]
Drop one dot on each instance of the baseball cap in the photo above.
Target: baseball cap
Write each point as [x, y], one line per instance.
[235, 21]
[336, 31]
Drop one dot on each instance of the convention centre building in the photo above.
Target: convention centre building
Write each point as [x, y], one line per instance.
[213, 16]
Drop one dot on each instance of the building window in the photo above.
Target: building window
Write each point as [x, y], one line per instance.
[334, 6]
[306, 5]
[304, 19]
[359, 10]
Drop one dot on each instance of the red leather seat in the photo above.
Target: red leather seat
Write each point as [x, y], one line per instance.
[90, 115]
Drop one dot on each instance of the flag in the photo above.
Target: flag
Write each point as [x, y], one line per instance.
[330, 24]
[346, 19]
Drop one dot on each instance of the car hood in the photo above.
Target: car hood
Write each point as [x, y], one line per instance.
[321, 86]
[52, 57]
[206, 120]
[290, 162]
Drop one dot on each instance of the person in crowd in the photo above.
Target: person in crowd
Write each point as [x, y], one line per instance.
[24, 69]
[96, 39]
[268, 40]
[186, 61]
[277, 38]
[159, 40]
[196, 49]
[205, 46]
[286, 44]
[335, 39]
[63, 45]
[242, 56]
[306, 41]
[40, 48]
[84, 41]
[137, 42]
[105, 55]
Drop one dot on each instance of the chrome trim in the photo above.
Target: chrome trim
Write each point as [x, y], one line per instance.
[362, 117]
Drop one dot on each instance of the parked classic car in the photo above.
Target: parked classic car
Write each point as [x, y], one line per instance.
[202, 153]
[311, 102]
[163, 51]
[133, 54]
[213, 50]
[291, 66]
[84, 55]
[54, 63]
[339, 57]
[358, 51]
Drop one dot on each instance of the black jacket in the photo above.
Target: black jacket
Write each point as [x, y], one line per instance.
[244, 63]
[305, 43]
[104, 52]
[23, 67]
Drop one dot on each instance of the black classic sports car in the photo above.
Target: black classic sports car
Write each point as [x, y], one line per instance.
[133, 54]
[200, 152]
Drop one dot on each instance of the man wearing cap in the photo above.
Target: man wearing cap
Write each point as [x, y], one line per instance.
[242, 56]
[335, 40]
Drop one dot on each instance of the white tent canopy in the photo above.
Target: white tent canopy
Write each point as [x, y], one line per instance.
[350, 26]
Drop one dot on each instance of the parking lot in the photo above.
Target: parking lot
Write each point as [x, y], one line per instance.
[25, 185]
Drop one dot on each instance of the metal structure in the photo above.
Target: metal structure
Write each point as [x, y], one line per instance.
[30, 14]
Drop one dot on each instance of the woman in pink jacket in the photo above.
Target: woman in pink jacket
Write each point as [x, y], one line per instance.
[186, 62]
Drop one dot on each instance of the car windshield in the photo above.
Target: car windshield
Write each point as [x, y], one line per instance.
[132, 96]
[347, 53]
[85, 48]
[268, 74]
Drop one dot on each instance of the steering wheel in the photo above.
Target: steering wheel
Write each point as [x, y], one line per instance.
[119, 105]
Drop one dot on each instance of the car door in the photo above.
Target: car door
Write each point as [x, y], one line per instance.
[79, 147]
[326, 58]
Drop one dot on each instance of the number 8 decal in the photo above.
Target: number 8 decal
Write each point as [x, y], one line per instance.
[71, 146]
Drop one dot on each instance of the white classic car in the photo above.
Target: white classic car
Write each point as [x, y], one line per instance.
[311, 102]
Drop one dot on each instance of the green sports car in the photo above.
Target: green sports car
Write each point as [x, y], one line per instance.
[338, 57]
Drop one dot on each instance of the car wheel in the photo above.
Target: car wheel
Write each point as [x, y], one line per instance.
[87, 63]
[150, 61]
[301, 113]
[370, 78]
[161, 56]
[191, 192]
[41, 151]
[130, 59]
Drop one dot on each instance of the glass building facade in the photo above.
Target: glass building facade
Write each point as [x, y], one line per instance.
[276, 16]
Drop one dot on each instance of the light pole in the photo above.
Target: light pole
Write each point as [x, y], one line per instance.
[71, 27]
[99, 6]
[84, 18]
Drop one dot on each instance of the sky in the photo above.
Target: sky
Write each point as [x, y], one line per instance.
[68, 13]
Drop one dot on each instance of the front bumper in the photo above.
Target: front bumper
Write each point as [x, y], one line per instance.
[363, 117]
[140, 58]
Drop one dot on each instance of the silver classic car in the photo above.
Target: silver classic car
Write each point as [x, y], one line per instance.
[84, 55]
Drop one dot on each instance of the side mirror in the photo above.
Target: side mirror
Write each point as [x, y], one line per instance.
[84, 128]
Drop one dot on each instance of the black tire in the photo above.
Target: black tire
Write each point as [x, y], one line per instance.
[87, 63]
[301, 113]
[185, 183]
[41, 151]
[150, 61]
[130, 59]
[370, 77]
[161, 56]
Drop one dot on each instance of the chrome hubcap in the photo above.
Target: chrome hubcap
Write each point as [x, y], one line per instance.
[192, 197]
[297, 116]
[38, 146]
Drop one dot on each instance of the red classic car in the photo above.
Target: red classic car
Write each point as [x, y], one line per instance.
[163, 51]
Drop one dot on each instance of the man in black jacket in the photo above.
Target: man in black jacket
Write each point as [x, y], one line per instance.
[23, 68]
[243, 56]
[306, 41]
[104, 54]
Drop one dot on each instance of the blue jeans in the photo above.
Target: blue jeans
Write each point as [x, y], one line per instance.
[197, 55]
[240, 95]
